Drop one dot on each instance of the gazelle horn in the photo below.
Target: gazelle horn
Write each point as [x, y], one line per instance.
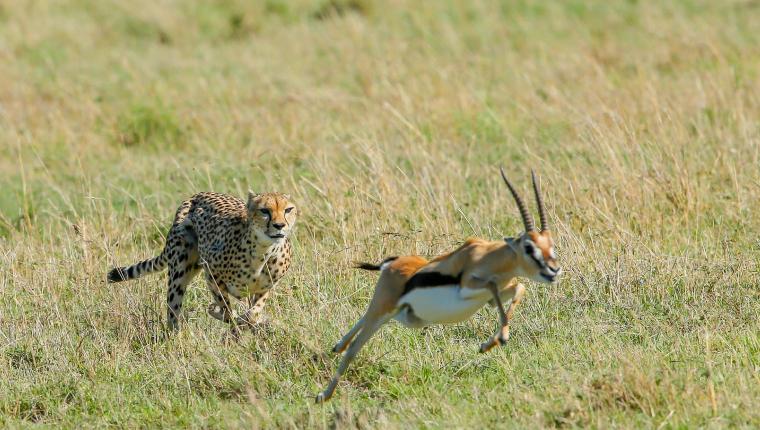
[539, 202]
[526, 217]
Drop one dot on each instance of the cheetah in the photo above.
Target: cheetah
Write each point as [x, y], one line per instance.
[243, 248]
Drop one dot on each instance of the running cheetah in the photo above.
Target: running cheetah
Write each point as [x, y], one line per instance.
[244, 250]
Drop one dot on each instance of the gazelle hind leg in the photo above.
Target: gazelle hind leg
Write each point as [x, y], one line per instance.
[369, 328]
[345, 340]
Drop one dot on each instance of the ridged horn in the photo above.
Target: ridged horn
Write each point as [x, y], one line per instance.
[539, 202]
[526, 217]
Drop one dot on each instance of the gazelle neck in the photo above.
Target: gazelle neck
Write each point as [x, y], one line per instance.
[504, 261]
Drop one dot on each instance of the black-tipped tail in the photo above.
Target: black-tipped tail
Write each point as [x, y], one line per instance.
[373, 267]
[117, 274]
[366, 266]
[151, 265]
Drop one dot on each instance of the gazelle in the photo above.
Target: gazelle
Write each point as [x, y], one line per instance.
[452, 287]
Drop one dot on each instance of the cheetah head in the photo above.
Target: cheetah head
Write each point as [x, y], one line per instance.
[271, 216]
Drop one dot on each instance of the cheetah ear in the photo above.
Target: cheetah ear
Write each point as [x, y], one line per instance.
[251, 206]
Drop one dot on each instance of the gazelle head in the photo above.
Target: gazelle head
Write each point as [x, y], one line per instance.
[534, 249]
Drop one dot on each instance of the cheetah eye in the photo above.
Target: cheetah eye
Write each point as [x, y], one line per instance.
[265, 212]
[288, 210]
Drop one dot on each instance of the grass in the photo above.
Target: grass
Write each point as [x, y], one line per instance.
[386, 122]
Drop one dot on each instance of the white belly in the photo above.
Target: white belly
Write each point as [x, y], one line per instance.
[444, 304]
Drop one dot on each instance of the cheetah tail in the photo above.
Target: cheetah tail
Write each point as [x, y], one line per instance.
[373, 267]
[120, 274]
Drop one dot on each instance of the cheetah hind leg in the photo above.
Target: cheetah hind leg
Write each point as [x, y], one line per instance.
[182, 270]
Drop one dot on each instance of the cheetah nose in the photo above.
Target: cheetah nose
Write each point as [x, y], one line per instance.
[278, 225]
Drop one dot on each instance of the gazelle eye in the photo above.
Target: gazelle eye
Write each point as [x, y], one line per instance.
[264, 211]
[288, 210]
[531, 250]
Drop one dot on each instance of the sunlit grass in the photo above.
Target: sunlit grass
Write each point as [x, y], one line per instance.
[387, 122]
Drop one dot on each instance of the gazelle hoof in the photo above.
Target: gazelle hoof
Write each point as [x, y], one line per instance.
[321, 398]
[499, 339]
[485, 347]
[504, 335]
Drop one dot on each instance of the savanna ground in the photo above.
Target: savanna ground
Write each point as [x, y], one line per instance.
[386, 121]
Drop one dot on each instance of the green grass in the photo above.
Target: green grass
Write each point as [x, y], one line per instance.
[387, 123]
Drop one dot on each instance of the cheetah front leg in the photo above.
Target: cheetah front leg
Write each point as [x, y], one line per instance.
[253, 316]
[221, 308]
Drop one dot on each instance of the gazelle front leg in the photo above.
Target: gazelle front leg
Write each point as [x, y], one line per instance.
[515, 293]
[502, 333]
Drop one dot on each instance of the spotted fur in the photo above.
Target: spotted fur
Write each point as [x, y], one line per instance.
[243, 248]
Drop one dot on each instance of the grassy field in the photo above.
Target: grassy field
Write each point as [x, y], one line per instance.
[387, 122]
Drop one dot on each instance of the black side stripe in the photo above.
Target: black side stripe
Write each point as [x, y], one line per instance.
[430, 279]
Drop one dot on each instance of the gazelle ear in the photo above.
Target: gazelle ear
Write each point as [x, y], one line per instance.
[251, 206]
